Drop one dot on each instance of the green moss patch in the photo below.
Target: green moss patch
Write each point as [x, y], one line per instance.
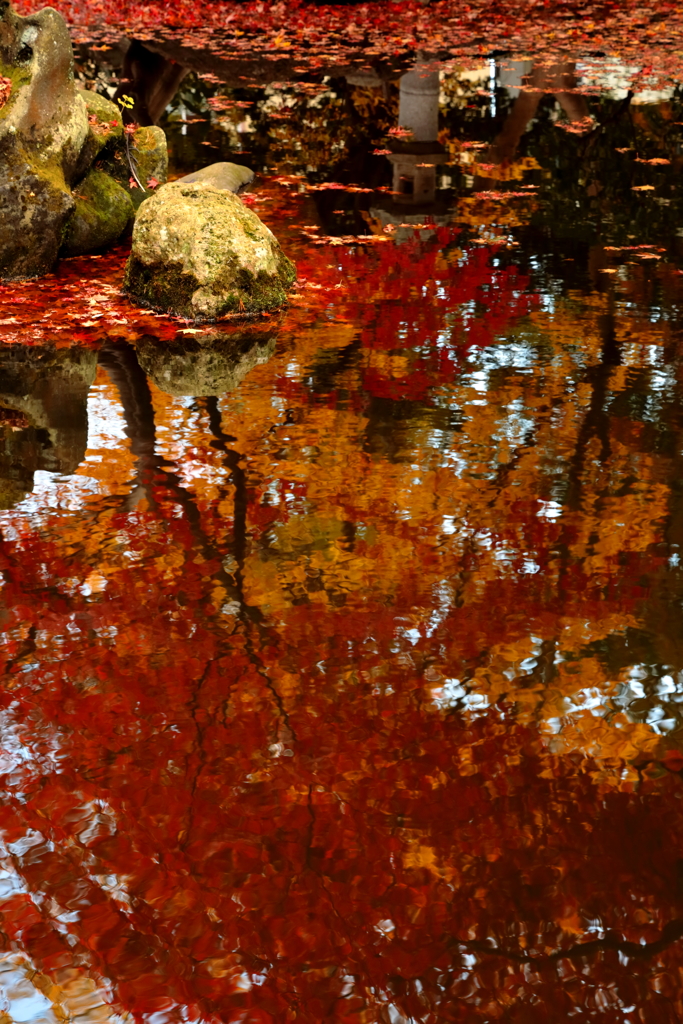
[103, 212]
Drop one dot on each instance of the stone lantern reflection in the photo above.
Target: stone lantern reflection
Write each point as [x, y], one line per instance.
[415, 157]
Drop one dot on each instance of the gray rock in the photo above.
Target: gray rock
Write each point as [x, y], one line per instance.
[103, 212]
[205, 363]
[199, 252]
[231, 177]
[33, 212]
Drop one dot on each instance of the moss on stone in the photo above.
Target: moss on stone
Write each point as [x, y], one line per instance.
[200, 253]
[103, 211]
[150, 157]
[169, 287]
[160, 286]
[100, 137]
[20, 76]
[34, 206]
[105, 111]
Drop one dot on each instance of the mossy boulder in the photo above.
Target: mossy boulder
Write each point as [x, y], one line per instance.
[106, 111]
[50, 135]
[33, 211]
[103, 212]
[199, 252]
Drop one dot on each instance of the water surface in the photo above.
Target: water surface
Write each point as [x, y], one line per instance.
[342, 650]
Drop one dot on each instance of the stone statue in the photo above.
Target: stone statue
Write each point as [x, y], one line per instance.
[51, 133]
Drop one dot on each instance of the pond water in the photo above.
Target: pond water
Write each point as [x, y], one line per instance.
[343, 650]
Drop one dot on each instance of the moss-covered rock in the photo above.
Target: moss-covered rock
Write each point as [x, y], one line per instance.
[33, 211]
[104, 110]
[51, 133]
[199, 252]
[102, 213]
[149, 157]
[105, 129]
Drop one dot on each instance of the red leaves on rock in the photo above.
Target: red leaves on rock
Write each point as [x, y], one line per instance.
[5, 90]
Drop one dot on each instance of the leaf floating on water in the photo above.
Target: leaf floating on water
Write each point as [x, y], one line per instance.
[579, 127]
[500, 195]
[632, 248]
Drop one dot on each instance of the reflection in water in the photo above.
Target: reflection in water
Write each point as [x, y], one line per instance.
[151, 81]
[560, 81]
[207, 362]
[415, 157]
[415, 162]
[351, 689]
[43, 418]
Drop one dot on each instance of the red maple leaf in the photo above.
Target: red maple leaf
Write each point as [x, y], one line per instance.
[5, 90]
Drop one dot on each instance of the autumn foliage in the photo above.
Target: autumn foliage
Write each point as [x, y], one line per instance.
[352, 694]
[294, 730]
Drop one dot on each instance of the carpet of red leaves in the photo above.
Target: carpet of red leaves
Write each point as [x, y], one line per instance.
[649, 36]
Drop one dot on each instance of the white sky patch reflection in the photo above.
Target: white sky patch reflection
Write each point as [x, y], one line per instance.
[105, 418]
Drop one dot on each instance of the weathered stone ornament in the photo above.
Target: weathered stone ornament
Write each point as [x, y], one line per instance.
[199, 252]
[43, 127]
[50, 135]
